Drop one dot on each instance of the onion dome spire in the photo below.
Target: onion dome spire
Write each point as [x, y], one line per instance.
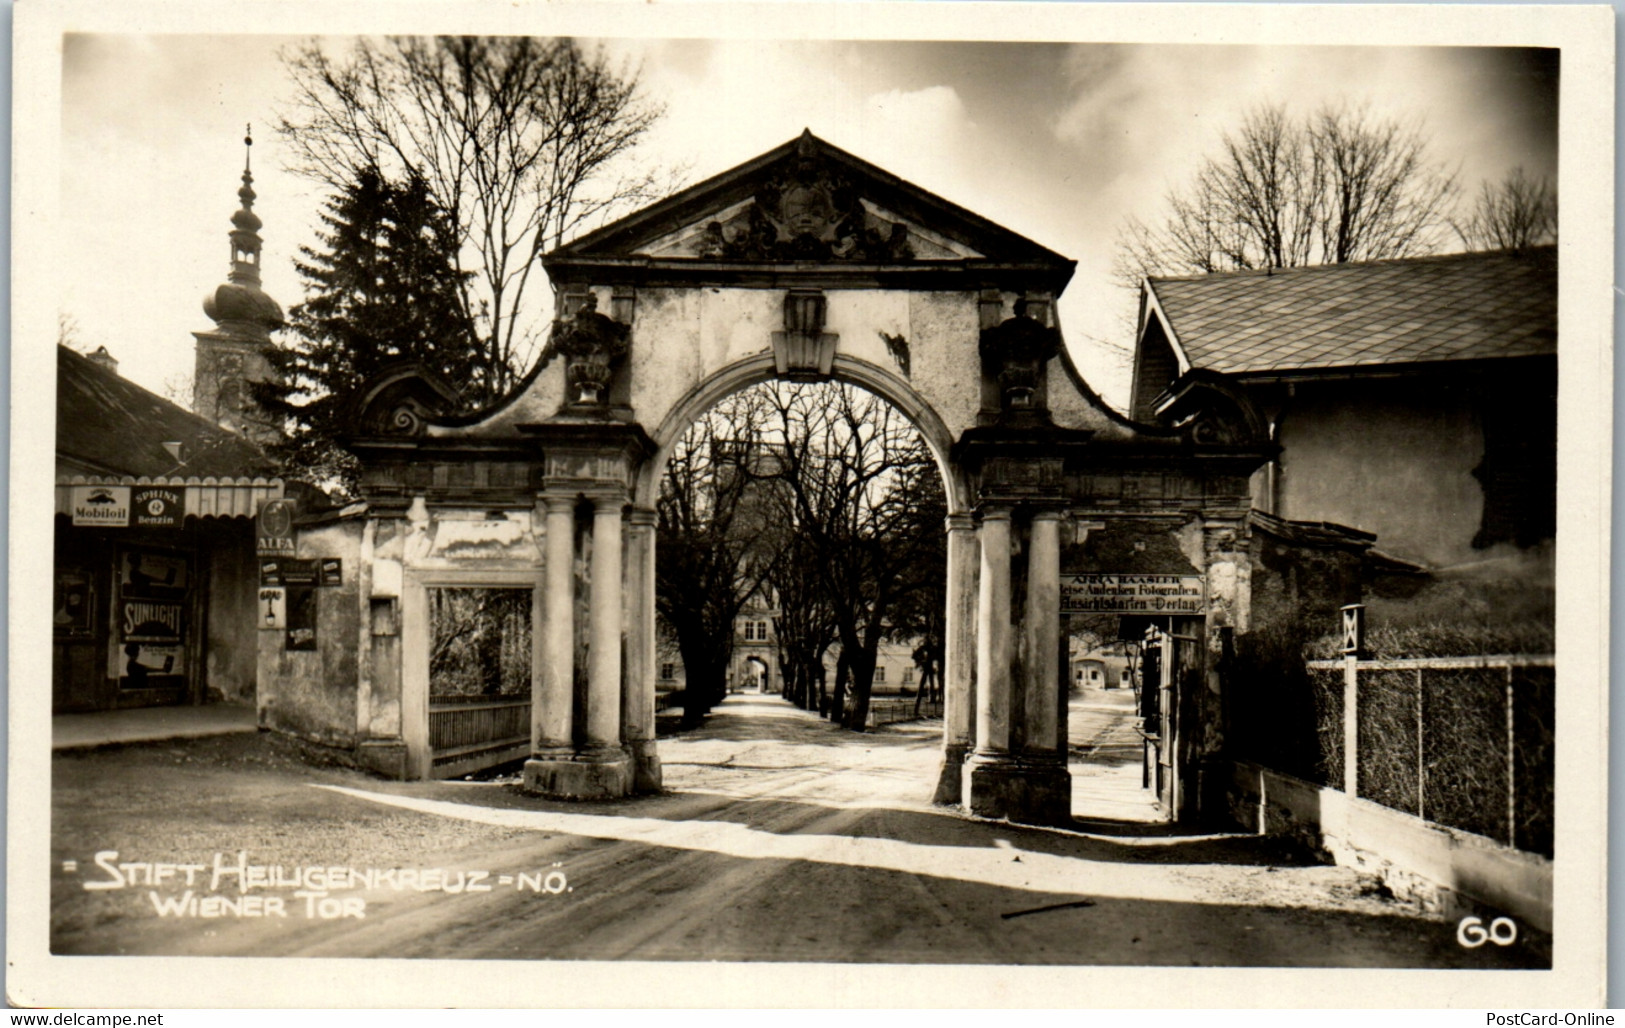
[240, 307]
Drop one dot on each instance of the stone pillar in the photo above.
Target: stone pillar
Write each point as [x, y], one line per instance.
[638, 694]
[959, 658]
[1030, 786]
[552, 695]
[993, 635]
[598, 769]
[604, 622]
[1041, 631]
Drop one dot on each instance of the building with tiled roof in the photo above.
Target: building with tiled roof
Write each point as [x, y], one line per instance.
[108, 425]
[155, 568]
[1413, 398]
[156, 598]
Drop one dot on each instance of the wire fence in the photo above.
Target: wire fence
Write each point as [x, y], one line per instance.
[1465, 742]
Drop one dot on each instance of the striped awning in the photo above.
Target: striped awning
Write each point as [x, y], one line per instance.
[207, 497]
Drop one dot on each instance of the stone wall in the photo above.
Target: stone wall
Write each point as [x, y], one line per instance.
[312, 693]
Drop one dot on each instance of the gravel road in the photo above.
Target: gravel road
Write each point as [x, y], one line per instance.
[780, 838]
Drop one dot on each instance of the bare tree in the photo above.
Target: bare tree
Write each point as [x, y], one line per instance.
[712, 554]
[805, 625]
[1517, 212]
[68, 332]
[521, 141]
[865, 499]
[1338, 186]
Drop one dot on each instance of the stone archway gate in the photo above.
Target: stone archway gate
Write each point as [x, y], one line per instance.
[805, 263]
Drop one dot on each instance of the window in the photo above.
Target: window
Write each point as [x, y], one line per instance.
[668, 671]
[756, 631]
[908, 676]
[880, 675]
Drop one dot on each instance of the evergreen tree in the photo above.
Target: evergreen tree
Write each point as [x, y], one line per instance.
[383, 288]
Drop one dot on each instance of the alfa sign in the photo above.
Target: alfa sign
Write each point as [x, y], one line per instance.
[1132, 594]
[274, 529]
[107, 506]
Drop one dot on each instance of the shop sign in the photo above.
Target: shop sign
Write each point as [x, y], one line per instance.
[273, 608]
[104, 506]
[301, 619]
[1132, 594]
[158, 507]
[275, 529]
[287, 571]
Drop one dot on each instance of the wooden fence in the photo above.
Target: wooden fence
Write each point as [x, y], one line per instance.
[472, 733]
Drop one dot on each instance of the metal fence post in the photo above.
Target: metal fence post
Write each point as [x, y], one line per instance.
[1512, 769]
[1353, 641]
[1421, 763]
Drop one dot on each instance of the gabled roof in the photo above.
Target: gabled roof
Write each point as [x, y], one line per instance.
[1469, 306]
[864, 216]
[109, 425]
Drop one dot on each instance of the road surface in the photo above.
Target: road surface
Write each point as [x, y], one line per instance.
[780, 838]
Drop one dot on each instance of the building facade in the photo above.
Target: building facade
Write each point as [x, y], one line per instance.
[155, 569]
[1413, 399]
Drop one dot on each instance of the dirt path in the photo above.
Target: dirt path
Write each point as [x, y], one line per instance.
[780, 838]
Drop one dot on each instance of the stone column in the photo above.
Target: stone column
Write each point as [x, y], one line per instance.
[993, 635]
[604, 620]
[959, 658]
[1032, 786]
[1042, 631]
[552, 694]
[638, 694]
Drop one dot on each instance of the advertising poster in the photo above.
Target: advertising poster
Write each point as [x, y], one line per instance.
[301, 618]
[149, 633]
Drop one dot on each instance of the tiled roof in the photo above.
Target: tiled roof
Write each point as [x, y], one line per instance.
[110, 424]
[1421, 309]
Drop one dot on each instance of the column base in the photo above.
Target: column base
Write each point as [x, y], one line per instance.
[384, 757]
[1023, 791]
[645, 766]
[951, 779]
[605, 775]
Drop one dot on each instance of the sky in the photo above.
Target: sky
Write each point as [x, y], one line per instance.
[1059, 142]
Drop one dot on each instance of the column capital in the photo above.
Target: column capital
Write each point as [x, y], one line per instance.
[604, 503]
[1049, 515]
[995, 512]
[642, 517]
[960, 523]
[557, 499]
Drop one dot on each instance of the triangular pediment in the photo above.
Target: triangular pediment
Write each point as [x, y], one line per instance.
[807, 201]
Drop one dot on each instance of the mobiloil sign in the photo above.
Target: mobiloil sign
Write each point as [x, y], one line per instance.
[106, 506]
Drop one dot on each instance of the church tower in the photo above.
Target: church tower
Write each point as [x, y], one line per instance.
[233, 354]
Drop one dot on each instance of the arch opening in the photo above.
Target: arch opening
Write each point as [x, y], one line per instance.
[801, 527]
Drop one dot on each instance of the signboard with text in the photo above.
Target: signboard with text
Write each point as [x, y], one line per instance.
[274, 529]
[107, 506]
[1132, 594]
[149, 640]
[157, 507]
